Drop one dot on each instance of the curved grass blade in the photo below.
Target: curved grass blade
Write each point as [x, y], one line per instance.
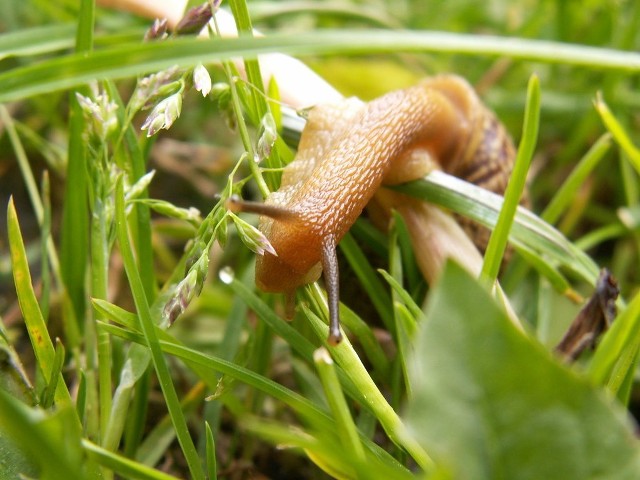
[126, 467]
[129, 60]
[620, 341]
[483, 206]
[576, 178]
[42, 344]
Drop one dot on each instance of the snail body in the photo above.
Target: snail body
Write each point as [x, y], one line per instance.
[348, 151]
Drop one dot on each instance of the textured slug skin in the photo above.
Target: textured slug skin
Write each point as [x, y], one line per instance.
[349, 149]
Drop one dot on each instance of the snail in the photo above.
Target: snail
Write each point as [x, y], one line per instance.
[348, 151]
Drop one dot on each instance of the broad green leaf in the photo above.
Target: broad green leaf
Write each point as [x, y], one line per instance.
[491, 403]
[15, 461]
[50, 441]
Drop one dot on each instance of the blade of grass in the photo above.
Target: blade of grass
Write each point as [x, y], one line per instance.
[621, 340]
[137, 165]
[243, 23]
[618, 132]
[294, 339]
[565, 194]
[348, 359]
[151, 339]
[370, 15]
[27, 174]
[408, 327]
[212, 364]
[48, 394]
[483, 206]
[36, 41]
[405, 324]
[42, 344]
[206, 367]
[500, 234]
[412, 306]
[74, 235]
[45, 240]
[210, 453]
[160, 438]
[124, 466]
[84, 27]
[346, 428]
[127, 60]
[369, 280]
[75, 225]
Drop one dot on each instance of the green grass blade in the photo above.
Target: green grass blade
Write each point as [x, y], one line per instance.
[127, 60]
[528, 230]
[208, 366]
[42, 344]
[137, 166]
[125, 467]
[146, 321]
[565, 194]
[75, 224]
[86, 21]
[500, 235]
[348, 359]
[74, 236]
[210, 453]
[622, 339]
[48, 395]
[243, 22]
[37, 202]
[618, 132]
[369, 280]
[45, 242]
[36, 41]
[346, 428]
[403, 295]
